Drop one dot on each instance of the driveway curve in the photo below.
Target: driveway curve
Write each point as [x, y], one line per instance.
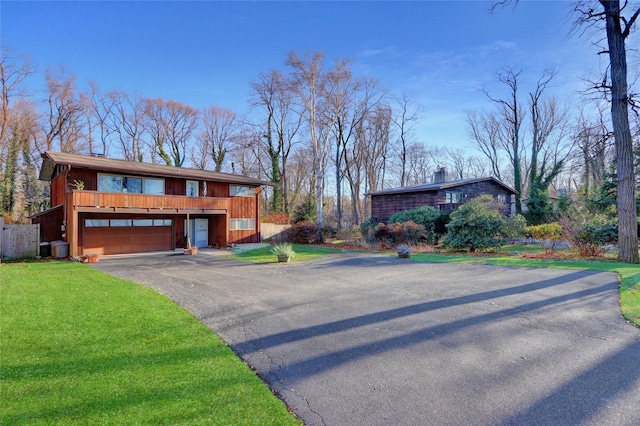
[361, 339]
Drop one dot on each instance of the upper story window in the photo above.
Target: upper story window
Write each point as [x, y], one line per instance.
[453, 197]
[241, 191]
[130, 184]
[192, 188]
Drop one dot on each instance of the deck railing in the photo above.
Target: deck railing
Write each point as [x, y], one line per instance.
[94, 199]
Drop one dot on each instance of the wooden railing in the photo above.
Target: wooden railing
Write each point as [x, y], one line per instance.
[93, 199]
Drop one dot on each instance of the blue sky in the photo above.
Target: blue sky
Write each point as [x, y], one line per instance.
[442, 53]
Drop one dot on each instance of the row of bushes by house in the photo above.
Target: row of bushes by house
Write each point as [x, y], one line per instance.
[475, 226]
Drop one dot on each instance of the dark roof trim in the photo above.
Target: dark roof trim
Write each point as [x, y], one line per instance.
[442, 185]
[51, 159]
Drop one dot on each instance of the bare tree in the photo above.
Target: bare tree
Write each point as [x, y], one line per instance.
[127, 121]
[404, 121]
[219, 130]
[272, 92]
[170, 125]
[308, 82]
[13, 71]
[510, 116]
[66, 111]
[484, 132]
[101, 106]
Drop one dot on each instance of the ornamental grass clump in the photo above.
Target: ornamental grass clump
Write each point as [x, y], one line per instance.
[284, 251]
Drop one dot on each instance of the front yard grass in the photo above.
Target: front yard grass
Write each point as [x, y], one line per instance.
[303, 253]
[79, 346]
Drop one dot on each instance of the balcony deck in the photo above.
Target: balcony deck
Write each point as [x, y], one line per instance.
[93, 201]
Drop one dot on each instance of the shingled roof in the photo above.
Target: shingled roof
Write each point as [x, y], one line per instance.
[51, 159]
[441, 185]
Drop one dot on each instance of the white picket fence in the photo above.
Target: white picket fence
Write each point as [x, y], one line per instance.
[19, 241]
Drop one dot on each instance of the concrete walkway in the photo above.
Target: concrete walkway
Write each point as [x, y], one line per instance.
[360, 339]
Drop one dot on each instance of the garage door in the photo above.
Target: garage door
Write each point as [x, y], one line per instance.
[121, 236]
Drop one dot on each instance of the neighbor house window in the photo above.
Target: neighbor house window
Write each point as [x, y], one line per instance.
[242, 224]
[453, 197]
[129, 184]
[192, 188]
[241, 191]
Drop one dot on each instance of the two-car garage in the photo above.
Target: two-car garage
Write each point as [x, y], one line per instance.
[125, 235]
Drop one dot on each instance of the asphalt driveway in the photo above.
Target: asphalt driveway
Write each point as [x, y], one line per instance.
[360, 339]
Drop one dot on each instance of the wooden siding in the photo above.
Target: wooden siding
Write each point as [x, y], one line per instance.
[58, 191]
[383, 206]
[115, 200]
[50, 224]
[386, 205]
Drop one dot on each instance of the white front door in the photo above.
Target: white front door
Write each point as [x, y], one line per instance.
[199, 232]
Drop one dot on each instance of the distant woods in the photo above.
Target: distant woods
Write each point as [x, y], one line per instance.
[322, 133]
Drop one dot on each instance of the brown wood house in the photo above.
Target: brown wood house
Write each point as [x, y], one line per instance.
[107, 206]
[444, 195]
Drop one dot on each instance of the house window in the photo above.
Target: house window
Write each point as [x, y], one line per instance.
[453, 197]
[192, 188]
[241, 191]
[242, 224]
[120, 222]
[502, 198]
[129, 184]
[161, 222]
[154, 186]
[142, 222]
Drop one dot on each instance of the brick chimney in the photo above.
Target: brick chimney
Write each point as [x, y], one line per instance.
[440, 176]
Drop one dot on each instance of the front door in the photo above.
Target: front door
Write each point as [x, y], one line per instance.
[199, 232]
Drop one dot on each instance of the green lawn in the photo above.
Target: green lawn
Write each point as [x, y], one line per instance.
[303, 253]
[81, 347]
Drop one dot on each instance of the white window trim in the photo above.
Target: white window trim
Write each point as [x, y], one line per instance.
[234, 222]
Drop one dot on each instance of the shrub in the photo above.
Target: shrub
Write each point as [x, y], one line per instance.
[590, 237]
[476, 225]
[368, 226]
[302, 233]
[397, 233]
[434, 221]
[549, 234]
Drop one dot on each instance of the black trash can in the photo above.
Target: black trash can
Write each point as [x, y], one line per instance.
[45, 249]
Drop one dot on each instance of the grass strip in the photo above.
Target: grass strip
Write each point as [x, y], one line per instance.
[304, 253]
[80, 347]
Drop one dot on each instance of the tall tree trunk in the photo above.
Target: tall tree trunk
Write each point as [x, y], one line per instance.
[627, 219]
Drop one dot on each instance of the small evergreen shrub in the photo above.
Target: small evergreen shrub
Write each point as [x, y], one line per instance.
[479, 225]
